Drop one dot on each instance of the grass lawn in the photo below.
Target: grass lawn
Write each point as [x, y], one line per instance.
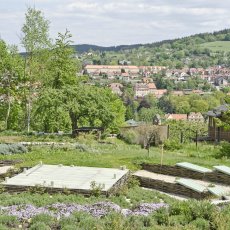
[217, 46]
[115, 153]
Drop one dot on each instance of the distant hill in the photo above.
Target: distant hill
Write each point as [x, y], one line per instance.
[82, 48]
[199, 50]
[86, 48]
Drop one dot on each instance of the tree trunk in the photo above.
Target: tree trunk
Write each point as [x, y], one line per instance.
[74, 124]
[8, 111]
[28, 115]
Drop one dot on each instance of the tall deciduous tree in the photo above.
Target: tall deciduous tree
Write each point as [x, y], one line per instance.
[65, 95]
[62, 64]
[224, 120]
[93, 106]
[50, 111]
[10, 79]
[35, 39]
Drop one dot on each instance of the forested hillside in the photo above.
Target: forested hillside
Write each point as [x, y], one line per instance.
[201, 50]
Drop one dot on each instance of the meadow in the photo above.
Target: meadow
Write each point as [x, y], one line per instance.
[110, 153]
[217, 46]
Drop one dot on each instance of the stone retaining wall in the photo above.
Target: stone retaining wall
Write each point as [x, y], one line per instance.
[118, 185]
[171, 188]
[9, 162]
[214, 176]
[86, 192]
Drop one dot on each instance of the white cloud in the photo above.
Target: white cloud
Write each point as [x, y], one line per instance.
[110, 22]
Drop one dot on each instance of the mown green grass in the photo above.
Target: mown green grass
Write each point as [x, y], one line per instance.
[217, 46]
[115, 153]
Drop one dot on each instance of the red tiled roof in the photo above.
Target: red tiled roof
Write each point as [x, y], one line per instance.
[151, 86]
[110, 67]
[161, 91]
[176, 116]
[178, 92]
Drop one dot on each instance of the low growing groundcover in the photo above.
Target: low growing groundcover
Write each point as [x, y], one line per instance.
[134, 208]
[59, 210]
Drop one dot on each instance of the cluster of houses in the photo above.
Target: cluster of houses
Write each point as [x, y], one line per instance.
[143, 89]
[218, 76]
[216, 132]
[127, 73]
[196, 117]
[140, 78]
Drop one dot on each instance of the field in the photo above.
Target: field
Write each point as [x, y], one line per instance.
[112, 152]
[217, 46]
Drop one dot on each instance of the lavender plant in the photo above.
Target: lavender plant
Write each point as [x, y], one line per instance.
[98, 210]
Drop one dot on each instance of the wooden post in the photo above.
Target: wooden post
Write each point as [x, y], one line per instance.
[196, 139]
[181, 137]
[162, 153]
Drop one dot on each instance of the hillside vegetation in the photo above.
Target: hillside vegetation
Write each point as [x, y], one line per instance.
[201, 50]
[217, 46]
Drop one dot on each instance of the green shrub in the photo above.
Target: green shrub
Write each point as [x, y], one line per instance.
[44, 218]
[201, 224]
[69, 227]
[6, 149]
[130, 136]
[224, 150]
[178, 220]
[10, 221]
[40, 189]
[201, 209]
[172, 145]
[2, 227]
[2, 189]
[161, 216]
[81, 147]
[39, 226]
[68, 221]
[114, 221]
[80, 220]
[96, 189]
[147, 221]
[180, 208]
[89, 222]
[138, 223]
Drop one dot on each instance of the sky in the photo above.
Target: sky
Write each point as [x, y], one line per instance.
[116, 22]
